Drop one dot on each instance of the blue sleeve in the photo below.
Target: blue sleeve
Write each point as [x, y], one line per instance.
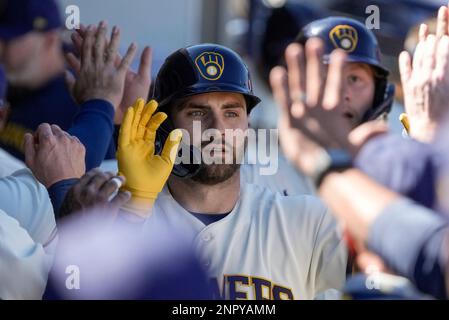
[57, 193]
[94, 127]
[418, 234]
[403, 165]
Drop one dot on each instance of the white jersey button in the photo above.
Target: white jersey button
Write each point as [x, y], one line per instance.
[207, 237]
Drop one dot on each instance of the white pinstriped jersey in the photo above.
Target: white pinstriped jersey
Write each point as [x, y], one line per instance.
[269, 247]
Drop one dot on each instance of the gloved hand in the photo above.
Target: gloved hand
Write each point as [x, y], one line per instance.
[145, 172]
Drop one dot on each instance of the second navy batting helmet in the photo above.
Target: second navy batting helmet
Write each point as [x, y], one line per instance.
[361, 46]
[193, 70]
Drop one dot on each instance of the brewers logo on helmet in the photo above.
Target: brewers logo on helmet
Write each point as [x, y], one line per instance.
[344, 37]
[210, 65]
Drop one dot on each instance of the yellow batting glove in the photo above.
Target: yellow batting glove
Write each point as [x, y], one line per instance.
[405, 122]
[145, 172]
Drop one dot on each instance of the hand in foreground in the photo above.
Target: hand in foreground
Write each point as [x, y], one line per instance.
[54, 155]
[94, 191]
[310, 119]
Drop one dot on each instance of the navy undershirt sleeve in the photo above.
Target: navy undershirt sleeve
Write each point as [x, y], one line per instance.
[94, 127]
[418, 234]
[402, 165]
[57, 193]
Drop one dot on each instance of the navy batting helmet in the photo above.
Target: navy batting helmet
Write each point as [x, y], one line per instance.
[361, 46]
[198, 69]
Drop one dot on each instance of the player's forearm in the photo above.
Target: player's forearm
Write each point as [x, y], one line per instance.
[382, 219]
[58, 192]
[355, 198]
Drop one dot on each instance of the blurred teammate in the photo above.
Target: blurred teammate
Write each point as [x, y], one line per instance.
[31, 52]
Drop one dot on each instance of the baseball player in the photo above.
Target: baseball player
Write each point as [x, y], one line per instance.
[255, 244]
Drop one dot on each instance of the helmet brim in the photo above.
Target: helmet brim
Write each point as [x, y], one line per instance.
[358, 59]
[251, 99]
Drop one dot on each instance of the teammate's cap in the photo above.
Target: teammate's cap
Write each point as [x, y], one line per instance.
[348, 34]
[18, 17]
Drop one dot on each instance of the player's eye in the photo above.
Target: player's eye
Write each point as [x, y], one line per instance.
[196, 113]
[231, 114]
[354, 79]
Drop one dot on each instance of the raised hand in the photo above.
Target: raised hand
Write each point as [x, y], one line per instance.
[425, 81]
[310, 98]
[137, 84]
[98, 73]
